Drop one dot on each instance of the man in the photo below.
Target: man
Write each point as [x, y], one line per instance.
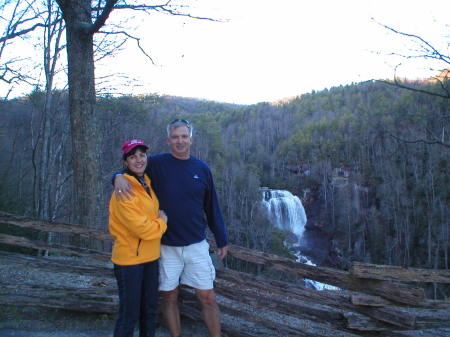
[185, 189]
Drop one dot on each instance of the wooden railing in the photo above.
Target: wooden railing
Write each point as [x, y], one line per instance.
[372, 299]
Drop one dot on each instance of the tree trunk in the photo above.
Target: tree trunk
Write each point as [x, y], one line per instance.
[85, 140]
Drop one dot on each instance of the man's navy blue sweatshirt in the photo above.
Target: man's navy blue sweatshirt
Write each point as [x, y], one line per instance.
[186, 193]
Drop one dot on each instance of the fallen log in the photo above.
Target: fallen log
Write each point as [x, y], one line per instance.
[359, 322]
[334, 306]
[55, 227]
[62, 249]
[236, 291]
[396, 273]
[104, 300]
[282, 297]
[95, 300]
[306, 310]
[87, 266]
[367, 300]
[393, 291]
[274, 324]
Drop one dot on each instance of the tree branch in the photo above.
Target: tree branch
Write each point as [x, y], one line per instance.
[396, 83]
[164, 9]
[100, 21]
[22, 32]
[131, 37]
[434, 52]
[415, 141]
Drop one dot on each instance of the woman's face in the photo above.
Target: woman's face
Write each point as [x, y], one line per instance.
[137, 162]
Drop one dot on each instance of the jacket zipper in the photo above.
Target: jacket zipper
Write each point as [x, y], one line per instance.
[137, 249]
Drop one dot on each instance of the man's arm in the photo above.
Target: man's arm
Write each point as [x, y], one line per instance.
[215, 219]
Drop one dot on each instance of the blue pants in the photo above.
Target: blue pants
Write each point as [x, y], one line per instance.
[138, 298]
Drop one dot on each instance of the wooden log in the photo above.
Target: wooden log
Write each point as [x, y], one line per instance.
[359, 322]
[230, 325]
[95, 300]
[411, 318]
[92, 300]
[367, 300]
[394, 315]
[393, 291]
[396, 273]
[266, 325]
[260, 293]
[339, 299]
[433, 318]
[338, 304]
[63, 249]
[307, 310]
[54, 227]
[88, 267]
[385, 317]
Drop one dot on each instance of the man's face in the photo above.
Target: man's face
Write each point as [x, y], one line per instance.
[179, 142]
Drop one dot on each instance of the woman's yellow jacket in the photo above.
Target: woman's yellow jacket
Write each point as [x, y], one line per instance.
[135, 226]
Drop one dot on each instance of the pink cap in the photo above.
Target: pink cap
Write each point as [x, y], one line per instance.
[131, 144]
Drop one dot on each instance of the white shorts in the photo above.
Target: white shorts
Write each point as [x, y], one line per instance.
[190, 265]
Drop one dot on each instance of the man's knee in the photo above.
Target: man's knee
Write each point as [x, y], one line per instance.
[170, 297]
[207, 298]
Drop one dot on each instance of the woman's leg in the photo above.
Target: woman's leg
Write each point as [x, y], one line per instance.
[149, 300]
[129, 281]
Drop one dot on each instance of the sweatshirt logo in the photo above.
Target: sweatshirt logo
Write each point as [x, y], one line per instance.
[196, 176]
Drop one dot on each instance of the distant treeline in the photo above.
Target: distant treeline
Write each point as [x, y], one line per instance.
[368, 160]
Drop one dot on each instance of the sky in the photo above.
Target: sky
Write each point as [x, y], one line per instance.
[266, 50]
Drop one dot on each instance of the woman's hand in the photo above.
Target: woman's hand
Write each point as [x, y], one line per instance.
[122, 188]
[162, 215]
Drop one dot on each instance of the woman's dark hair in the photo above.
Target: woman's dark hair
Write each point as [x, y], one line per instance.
[133, 151]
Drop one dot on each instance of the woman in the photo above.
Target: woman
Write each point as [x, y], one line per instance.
[137, 226]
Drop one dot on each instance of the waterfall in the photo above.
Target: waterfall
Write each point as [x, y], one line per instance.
[285, 211]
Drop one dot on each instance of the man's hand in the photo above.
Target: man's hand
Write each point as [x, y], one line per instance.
[222, 252]
[122, 188]
[162, 215]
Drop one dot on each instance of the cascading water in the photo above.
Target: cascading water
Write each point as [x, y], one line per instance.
[285, 211]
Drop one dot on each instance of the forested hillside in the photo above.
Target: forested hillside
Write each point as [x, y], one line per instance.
[370, 162]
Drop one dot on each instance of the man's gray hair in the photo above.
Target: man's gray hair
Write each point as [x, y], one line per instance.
[176, 123]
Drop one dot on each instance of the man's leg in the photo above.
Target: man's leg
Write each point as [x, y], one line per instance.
[170, 312]
[210, 310]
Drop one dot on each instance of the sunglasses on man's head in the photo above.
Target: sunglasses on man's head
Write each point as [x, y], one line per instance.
[185, 121]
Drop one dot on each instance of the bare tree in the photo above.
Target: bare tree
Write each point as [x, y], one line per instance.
[438, 85]
[47, 146]
[424, 50]
[18, 18]
[82, 19]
